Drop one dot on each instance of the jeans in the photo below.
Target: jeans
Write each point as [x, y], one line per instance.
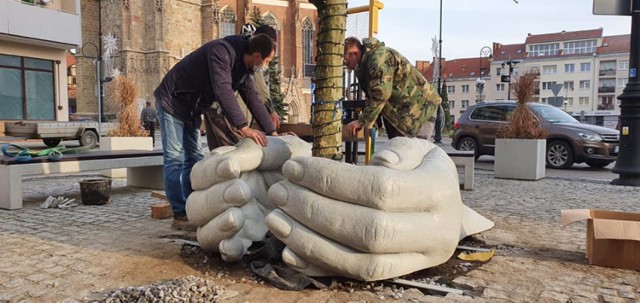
[181, 150]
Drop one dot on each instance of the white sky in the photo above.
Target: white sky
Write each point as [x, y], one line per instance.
[467, 25]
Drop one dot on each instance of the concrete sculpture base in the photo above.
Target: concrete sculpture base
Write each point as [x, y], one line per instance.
[401, 214]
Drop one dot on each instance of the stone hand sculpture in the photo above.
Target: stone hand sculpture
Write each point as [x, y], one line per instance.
[401, 214]
[229, 202]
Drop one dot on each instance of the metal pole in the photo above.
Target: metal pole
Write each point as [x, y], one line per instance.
[99, 74]
[437, 138]
[509, 88]
[628, 164]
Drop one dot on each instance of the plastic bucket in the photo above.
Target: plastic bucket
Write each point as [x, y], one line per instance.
[95, 191]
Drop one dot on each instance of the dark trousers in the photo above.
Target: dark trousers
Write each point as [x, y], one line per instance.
[219, 131]
[151, 127]
[392, 131]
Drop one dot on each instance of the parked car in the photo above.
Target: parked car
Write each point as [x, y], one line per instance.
[568, 142]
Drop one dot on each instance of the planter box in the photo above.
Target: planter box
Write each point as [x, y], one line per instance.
[522, 159]
[123, 143]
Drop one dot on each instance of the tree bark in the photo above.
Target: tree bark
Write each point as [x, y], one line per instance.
[327, 109]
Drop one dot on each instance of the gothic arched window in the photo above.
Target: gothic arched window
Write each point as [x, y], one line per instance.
[227, 22]
[270, 19]
[307, 41]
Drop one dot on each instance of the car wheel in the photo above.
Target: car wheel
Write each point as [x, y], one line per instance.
[469, 144]
[89, 138]
[598, 164]
[559, 155]
[51, 142]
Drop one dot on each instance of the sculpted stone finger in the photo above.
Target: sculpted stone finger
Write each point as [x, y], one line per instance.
[333, 257]
[202, 206]
[378, 187]
[220, 228]
[254, 228]
[296, 262]
[233, 249]
[401, 153]
[281, 149]
[217, 168]
[370, 230]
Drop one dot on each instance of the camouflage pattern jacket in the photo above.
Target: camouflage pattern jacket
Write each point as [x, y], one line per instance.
[395, 89]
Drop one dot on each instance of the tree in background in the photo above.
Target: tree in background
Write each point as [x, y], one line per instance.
[327, 112]
[275, 88]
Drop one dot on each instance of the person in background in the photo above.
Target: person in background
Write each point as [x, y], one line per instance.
[148, 119]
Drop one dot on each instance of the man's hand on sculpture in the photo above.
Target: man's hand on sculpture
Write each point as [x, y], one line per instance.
[402, 214]
[255, 135]
[230, 185]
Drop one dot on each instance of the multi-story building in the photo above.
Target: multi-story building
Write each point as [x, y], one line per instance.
[34, 38]
[151, 36]
[581, 72]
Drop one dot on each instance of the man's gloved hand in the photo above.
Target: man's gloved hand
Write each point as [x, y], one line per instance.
[402, 214]
[230, 185]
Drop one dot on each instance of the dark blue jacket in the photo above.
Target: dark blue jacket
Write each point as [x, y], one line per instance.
[211, 73]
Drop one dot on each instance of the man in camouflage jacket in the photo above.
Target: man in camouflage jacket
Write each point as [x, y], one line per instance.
[394, 88]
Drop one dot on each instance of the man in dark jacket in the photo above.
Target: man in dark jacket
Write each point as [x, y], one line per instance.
[212, 72]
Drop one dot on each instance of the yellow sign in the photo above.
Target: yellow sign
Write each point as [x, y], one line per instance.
[625, 131]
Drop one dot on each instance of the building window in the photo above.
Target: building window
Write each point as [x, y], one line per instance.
[464, 104]
[623, 64]
[569, 101]
[451, 89]
[583, 100]
[465, 88]
[307, 41]
[569, 68]
[585, 67]
[26, 89]
[548, 85]
[549, 69]
[606, 103]
[622, 82]
[568, 85]
[580, 47]
[500, 87]
[227, 22]
[452, 104]
[585, 84]
[541, 50]
[544, 100]
[498, 71]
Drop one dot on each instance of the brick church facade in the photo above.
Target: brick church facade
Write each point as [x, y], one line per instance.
[152, 35]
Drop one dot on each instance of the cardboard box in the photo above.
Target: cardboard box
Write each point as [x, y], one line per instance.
[613, 238]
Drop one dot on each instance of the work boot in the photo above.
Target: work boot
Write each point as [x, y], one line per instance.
[181, 222]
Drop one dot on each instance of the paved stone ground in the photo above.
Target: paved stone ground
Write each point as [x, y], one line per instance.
[81, 253]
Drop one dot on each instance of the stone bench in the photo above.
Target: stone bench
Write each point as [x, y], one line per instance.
[144, 169]
[466, 160]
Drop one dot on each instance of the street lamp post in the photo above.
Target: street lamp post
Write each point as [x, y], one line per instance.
[485, 52]
[628, 163]
[437, 137]
[511, 63]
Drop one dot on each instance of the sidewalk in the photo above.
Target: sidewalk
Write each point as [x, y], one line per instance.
[82, 253]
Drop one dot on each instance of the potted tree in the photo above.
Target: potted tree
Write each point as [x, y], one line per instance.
[128, 133]
[521, 143]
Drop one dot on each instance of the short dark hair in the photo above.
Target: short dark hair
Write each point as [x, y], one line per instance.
[262, 44]
[267, 30]
[351, 41]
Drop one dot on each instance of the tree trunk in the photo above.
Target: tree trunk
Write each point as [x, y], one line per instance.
[327, 112]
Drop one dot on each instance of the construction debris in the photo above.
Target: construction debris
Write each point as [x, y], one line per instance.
[59, 202]
[431, 287]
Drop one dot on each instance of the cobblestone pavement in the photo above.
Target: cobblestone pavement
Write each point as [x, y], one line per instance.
[79, 254]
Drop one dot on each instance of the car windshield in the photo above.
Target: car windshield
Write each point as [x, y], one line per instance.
[553, 114]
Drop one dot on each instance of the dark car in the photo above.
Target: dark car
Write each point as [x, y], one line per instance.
[568, 142]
